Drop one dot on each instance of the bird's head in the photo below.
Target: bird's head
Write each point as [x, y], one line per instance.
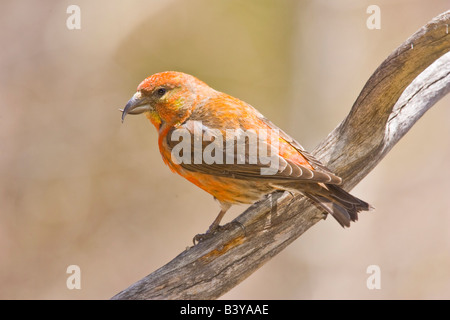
[166, 98]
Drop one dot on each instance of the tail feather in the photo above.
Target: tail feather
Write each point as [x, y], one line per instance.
[339, 203]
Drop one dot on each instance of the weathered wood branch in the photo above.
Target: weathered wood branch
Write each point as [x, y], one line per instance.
[393, 99]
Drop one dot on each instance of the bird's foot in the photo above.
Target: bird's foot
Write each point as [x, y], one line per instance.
[214, 229]
[208, 234]
[200, 237]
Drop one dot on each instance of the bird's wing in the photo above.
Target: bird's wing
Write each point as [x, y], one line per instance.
[198, 147]
[318, 166]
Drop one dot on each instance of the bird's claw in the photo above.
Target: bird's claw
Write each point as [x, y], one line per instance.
[212, 231]
[204, 236]
[200, 237]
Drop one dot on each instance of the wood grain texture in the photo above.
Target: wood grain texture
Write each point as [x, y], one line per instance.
[409, 82]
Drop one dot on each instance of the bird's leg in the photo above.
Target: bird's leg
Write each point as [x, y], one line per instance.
[215, 225]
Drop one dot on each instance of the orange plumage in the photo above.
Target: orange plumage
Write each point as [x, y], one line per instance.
[179, 103]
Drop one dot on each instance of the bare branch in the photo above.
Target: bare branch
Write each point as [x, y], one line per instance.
[393, 99]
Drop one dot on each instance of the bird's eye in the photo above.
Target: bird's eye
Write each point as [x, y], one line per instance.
[161, 91]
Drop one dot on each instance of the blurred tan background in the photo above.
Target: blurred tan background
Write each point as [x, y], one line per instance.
[78, 187]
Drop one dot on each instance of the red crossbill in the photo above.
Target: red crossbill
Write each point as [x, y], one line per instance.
[178, 104]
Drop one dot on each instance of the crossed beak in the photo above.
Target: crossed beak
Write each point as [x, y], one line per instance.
[136, 105]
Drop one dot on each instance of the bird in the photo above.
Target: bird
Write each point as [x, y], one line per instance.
[200, 134]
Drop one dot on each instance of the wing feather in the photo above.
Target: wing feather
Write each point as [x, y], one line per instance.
[286, 170]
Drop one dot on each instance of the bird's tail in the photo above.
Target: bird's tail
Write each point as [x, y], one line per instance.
[339, 203]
